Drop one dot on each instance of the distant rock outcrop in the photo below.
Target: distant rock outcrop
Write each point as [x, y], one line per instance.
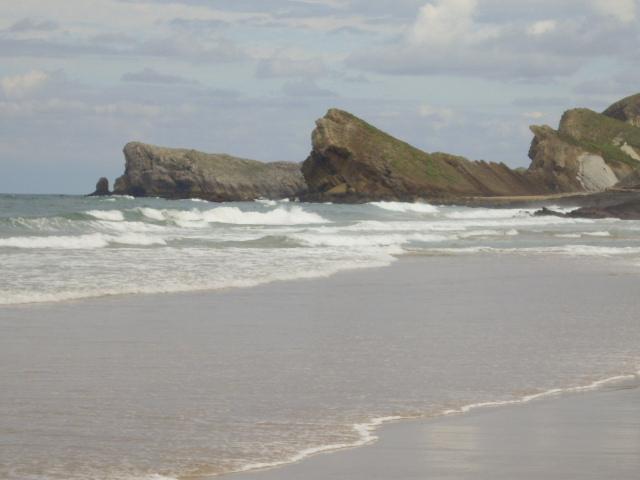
[102, 188]
[353, 161]
[623, 205]
[589, 152]
[181, 173]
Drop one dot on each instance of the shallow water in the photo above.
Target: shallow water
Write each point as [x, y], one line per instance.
[482, 306]
[61, 247]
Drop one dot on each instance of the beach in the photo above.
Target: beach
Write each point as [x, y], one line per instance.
[193, 385]
[592, 435]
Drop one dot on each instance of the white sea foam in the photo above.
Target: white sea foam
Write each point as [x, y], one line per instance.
[269, 203]
[366, 240]
[79, 242]
[406, 207]
[489, 213]
[365, 431]
[126, 227]
[249, 268]
[294, 215]
[547, 393]
[152, 213]
[571, 250]
[488, 233]
[583, 234]
[568, 235]
[110, 215]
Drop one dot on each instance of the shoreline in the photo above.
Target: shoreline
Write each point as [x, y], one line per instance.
[568, 252]
[165, 355]
[312, 463]
[370, 431]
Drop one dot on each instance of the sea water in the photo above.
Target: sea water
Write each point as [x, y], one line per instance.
[105, 376]
[56, 248]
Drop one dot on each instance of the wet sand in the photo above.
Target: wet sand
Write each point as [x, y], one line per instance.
[591, 435]
[201, 383]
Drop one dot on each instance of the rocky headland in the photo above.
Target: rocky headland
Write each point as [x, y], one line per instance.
[180, 173]
[352, 161]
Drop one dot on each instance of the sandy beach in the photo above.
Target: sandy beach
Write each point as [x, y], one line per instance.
[200, 384]
[593, 435]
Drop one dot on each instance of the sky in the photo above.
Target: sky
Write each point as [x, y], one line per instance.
[81, 78]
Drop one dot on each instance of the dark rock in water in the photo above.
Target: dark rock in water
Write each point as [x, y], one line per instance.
[624, 205]
[353, 161]
[102, 188]
[181, 173]
[624, 211]
[547, 212]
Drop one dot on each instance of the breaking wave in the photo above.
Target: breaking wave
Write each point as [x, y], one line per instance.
[109, 215]
[80, 242]
[406, 207]
[233, 215]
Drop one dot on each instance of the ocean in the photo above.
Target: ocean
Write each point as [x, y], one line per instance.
[156, 339]
[55, 248]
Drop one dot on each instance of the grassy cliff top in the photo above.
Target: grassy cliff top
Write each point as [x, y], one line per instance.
[626, 110]
[599, 133]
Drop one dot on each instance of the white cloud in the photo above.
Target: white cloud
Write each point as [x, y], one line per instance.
[438, 117]
[542, 27]
[529, 40]
[291, 64]
[534, 115]
[624, 11]
[448, 22]
[20, 86]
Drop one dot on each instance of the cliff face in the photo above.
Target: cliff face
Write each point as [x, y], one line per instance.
[589, 152]
[181, 173]
[354, 161]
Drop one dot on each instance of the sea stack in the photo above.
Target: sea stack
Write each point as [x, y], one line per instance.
[102, 188]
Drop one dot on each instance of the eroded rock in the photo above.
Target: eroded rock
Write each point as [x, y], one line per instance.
[181, 173]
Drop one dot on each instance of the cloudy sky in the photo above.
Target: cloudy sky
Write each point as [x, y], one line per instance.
[80, 78]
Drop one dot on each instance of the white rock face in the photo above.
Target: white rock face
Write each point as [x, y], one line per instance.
[629, 150]
[594, 174]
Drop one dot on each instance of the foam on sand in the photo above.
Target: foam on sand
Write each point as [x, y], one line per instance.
[365, 431]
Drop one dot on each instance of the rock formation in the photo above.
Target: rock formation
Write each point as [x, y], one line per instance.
[589, 152]
[353, 161]
[181, 173]
[623, 205]
[626, 110]
[102, 188]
